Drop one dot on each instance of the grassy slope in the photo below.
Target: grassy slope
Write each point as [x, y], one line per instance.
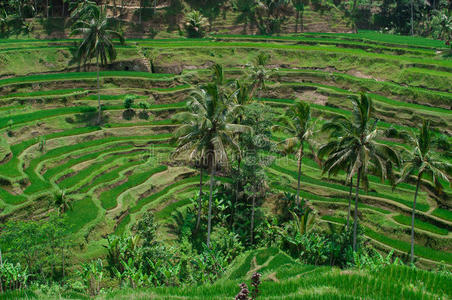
[284, 278]
[323, 51]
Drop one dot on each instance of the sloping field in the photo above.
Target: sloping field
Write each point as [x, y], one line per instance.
[114, 172]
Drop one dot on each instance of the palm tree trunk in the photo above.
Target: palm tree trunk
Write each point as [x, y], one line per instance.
[413, 213]
[296, 21]
[253, 90]
[299, 173]
[141, 4]
[355, 223]
[209, 217]
[98, 92]
[252, 219]
[301, 21]
[237, 186]
[198, 220]
[412, 18]
[1, 265]
[349, 202]
[62, 261]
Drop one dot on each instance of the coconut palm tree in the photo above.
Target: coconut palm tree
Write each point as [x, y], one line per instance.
[4, 21]
[195, 24]
[246, 10]
[299, 8]
[298, 124]
[206, 132]
[357, 151]
[259, 72]
[189, 138]
[326, 149]
[61, 202]
[422, 161]
[97, 41]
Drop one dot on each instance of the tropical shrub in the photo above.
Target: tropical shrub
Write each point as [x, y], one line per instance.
[91, 275]
[195, 24]
[12, 276]
[128, 102]
[373, 260]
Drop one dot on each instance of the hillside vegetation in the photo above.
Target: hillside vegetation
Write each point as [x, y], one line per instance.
[100, 172]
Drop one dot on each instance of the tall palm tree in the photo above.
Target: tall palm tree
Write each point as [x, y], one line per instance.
[325, 150]
[298, 124]
[189, 137]
[358, 150]
[412, 17]
[246, 12]
[97, 42]
[206, 130]
[299, 8]
[422, 161]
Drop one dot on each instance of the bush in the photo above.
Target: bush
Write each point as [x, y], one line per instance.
[128, 102]
[195, 24]
[374, 261]
[13, 277]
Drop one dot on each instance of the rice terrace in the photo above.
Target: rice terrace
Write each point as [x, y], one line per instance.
[231, 149]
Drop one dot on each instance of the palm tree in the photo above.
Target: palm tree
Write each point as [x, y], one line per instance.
[195, 24]
[412, 17]
[207, 133]
[259, 72]
[4, 21]
[325, 150]
[357, 150]
[422, 161]
[61, 202]
[97, 41]
[298, 124]
[299, 7]
[189, 137]
[246, 10]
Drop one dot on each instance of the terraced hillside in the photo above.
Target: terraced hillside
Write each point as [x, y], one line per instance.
[284, 278]
[115, 172]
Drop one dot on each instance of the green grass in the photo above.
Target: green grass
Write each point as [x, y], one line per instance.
[308, 179]
[168, 210]
[63, 92]
[10, 198]
[309, 49]
[316, 198]
[400, 245]
[79, 177]
[51, 172]
[155, 196]
[11, 168]
[419, 250]
[82, 75]
[443, 214]
[307, 282]
[82, 212]
[42, 114]
[109, 197]
[110, 176]
[395, 39]
[375, 46]
[405, 220]
[39, 185]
